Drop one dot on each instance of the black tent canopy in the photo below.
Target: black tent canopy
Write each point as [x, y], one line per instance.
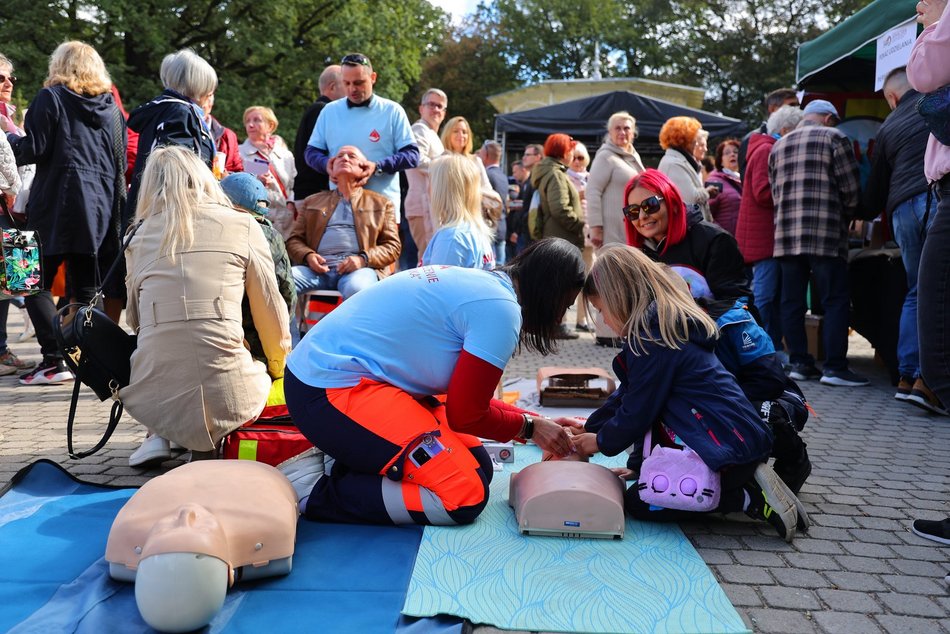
[586, 120]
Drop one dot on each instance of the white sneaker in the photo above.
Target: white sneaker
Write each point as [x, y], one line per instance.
[304, 471]
[153, 451]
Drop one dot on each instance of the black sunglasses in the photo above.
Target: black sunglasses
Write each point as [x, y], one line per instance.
[4, 78]
[649, 207]
[355, 59]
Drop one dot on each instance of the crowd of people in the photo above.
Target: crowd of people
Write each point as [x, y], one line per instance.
[697, 270]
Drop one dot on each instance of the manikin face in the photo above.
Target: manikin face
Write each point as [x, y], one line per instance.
[358, 82]
[655, 225]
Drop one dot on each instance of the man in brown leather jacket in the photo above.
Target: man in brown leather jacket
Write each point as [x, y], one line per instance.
[344, 239]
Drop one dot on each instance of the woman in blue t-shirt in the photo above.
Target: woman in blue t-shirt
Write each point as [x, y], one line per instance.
[396, 386]
[463, 237]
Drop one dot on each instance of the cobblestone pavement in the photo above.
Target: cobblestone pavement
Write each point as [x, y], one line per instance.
[878, 465]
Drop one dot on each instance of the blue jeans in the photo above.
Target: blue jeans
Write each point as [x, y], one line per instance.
[907, 220]
[305, 279]
[933, 294]
[831, 280]
[767, 288]
[499, 246]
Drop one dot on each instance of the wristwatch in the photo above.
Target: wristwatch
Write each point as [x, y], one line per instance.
[528, 429]
[379, 170]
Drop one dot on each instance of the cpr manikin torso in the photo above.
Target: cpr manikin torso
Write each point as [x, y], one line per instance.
[187, 535]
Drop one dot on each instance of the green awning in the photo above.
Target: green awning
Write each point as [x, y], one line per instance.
[854, 37]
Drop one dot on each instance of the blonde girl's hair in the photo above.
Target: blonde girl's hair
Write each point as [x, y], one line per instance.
[176, 183]
[449, 128]
[628, 282]
[455, 185]
[78, 66]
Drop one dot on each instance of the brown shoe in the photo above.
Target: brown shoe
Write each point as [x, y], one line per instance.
[923, 397]
[904, 388]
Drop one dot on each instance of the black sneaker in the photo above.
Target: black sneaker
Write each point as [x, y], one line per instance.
[938, 531]
[772, 502]
[609, 342]
[794, 475]
[48, 372]
[803, 372]
[843, 378]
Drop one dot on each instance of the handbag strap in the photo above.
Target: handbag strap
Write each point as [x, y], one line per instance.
[114, 417]
[647, 442]
[115, 263]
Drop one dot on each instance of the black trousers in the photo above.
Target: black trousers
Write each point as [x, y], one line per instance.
[81, 276]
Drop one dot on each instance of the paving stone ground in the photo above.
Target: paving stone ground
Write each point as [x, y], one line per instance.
[878, 465]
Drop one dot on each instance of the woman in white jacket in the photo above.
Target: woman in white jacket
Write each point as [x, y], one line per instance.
[678, 137]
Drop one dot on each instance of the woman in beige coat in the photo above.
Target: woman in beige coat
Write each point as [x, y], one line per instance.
[615, 163]
[189, 266]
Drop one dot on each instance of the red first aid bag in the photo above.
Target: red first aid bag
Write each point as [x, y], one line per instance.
[270, 439]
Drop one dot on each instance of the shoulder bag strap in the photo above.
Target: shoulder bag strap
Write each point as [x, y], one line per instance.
[114, 417]
[117, 406]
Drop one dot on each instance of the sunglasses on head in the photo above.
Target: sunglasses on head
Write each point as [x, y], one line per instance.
[4, 78]
[355, 59]
[648, 206]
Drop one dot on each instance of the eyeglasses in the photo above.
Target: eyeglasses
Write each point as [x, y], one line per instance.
[531, 154]
[649, 207]
[4, 78]
[355, 59]
[434, 105]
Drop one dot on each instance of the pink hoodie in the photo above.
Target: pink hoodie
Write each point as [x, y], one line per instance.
[927, 71]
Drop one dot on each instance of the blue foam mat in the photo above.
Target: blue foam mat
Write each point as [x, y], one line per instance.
[53, 529]
[651, 581]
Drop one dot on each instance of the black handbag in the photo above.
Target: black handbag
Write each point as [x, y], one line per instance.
[98, 352]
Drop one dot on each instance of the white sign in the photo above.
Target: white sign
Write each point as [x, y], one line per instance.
[893, 51]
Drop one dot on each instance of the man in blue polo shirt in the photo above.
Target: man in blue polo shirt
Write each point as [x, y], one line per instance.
[377, 126]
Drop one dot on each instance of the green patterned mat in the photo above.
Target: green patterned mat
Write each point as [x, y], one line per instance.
[651, 581]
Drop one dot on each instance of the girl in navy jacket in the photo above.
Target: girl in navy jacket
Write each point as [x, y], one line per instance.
[672, 381]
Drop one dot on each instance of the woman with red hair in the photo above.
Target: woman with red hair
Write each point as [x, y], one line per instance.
[678, 137]
[659, 223]
[559, 215]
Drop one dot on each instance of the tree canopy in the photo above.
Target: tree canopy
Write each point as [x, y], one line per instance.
[270, 52]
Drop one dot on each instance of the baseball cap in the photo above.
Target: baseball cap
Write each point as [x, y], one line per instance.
[246, 191]
[820, 106]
